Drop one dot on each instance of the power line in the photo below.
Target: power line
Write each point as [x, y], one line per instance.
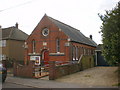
[17, 6]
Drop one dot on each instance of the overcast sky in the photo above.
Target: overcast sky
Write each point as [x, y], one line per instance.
[80, 14]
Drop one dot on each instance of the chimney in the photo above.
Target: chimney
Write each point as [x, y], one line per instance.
[90, 36]
[16, 25]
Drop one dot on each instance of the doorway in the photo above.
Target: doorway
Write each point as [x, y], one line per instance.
[45, 63]
[45, 57]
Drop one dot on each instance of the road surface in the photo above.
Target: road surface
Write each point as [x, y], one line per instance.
[13, 85]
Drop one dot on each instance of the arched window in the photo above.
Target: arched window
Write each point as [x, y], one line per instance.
[33, 46]
[57, 45]
[76, 53]
[73, 53]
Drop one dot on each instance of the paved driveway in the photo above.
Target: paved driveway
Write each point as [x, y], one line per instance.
[97, 76]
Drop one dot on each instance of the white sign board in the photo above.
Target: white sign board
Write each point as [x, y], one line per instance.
[36, 59]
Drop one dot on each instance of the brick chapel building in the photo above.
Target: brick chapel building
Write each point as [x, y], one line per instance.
[53, 40]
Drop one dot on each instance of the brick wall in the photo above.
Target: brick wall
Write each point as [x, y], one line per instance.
[24, 71]
[62, 70]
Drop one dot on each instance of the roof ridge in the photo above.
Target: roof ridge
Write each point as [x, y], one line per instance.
[8, 27]
[63, 23]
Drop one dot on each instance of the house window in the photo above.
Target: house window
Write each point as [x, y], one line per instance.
[33, 46]
[58, 45]
[2, 43]
[2, 57]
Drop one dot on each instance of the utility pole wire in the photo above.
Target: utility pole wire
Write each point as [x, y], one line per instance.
[17, 6]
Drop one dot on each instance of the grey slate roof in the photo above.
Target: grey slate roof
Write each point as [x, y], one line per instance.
[74, 34]
[13, 33]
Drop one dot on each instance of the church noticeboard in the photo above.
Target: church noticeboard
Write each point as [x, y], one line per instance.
[33, 58]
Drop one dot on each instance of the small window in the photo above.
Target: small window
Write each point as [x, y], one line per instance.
[45, 32]
[2, 43]
[2, 57]
[58, 45]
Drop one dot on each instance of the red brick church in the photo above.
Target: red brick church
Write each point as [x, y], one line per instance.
[52, 40]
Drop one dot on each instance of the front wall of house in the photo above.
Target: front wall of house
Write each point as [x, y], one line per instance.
[14, 50]
[47, 42]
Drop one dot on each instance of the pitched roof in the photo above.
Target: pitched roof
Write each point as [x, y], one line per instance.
[74, 34]
[13, 33]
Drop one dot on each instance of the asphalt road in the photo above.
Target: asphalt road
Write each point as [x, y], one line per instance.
[13, 85]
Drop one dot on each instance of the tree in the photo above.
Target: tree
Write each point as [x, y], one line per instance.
[110, 30]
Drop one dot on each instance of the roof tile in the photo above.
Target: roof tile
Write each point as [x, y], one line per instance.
[74, 34]
[13, 33]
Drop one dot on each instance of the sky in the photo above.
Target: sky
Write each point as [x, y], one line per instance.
[80, 14]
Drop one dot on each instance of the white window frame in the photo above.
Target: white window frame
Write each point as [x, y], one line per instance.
[2, 43]
[2, 57]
